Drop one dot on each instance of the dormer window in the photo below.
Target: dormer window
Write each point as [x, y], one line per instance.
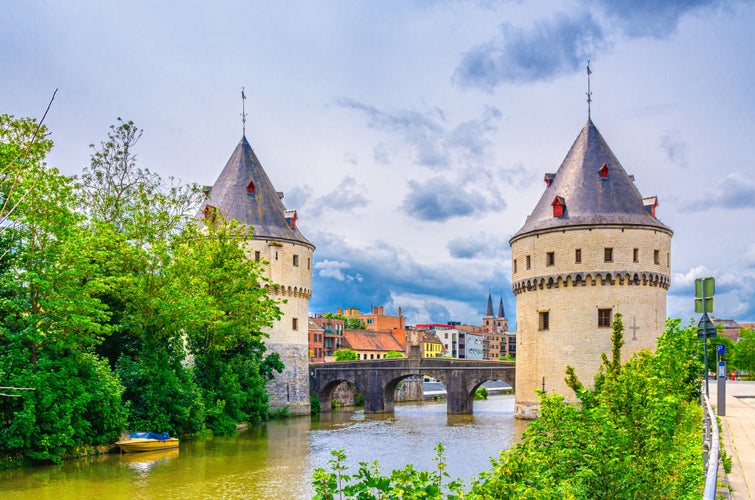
[291, 217]
[559, 206]
[549, 179]
[603, 171]
[250, 187]
[650, 203]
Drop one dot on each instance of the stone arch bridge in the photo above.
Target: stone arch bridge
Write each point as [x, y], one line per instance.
[377, 379]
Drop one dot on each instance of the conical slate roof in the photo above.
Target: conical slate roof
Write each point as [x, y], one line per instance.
[244, 192]
[589, 198]
[501, 314]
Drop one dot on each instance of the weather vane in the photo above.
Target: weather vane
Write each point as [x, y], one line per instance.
[589, 92]
[243, 112]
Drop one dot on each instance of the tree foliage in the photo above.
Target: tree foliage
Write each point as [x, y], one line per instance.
[346, 355]
[116, 307]
[636, 434]
[743, 357]
[51, 317]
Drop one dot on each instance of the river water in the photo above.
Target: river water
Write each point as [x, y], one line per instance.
[276, 460]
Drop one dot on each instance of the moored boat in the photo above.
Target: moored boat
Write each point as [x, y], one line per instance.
[147, 441]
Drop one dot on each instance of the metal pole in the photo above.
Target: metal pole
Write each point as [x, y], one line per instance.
[705, 343]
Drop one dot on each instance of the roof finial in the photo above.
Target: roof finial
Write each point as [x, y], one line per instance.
[589, 92]
[243, 112]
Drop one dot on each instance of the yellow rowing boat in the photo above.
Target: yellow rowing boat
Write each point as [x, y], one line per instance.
[147, 441]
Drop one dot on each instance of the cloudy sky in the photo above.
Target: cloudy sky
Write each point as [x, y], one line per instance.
[412, 136]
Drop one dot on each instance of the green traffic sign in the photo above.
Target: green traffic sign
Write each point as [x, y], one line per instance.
[705, 288]
[708, 305]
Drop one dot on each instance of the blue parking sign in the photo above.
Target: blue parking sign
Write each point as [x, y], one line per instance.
[721, 349]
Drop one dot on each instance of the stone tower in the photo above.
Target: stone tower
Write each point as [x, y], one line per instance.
[591, 248]
[244, 192]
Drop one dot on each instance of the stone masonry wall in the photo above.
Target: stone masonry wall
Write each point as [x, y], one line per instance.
[573, 337]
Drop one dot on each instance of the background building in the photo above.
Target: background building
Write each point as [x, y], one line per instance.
[370, 344]
[498, 341]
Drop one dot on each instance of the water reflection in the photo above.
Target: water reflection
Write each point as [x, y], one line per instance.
[276, 460]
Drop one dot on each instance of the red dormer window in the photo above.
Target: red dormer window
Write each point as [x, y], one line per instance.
[650, 203]
[604, 171]
[559, 206]
[250, 187]
[549, 179]
[291, 217]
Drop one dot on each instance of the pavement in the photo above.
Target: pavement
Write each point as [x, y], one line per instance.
[738, 434]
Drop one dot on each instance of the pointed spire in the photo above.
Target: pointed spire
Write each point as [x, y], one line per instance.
[501, 314]
[489, 310]
[243, 192]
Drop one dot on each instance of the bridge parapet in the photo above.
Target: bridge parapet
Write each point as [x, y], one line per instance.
[377, 379]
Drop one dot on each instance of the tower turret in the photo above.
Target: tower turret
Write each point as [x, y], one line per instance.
[589, 249]
[244, 192]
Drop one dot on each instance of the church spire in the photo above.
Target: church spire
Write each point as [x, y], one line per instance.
[489, 311]
[501, 314]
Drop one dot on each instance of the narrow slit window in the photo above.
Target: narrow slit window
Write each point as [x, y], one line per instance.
[296, 261]
[608, 254]
[528, 261]
[656, 256]
[636, 255]
[578, 256]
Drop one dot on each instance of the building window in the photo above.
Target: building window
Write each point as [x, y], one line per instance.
[514, 265]
[544, 322]
[656, 256]
[309, 263]
[578, 255]
[550, 258]
[296, 261]
[604, 317]
[528, 262]
[636, 255]
[256, 255]
[608, 254]
[295, 323]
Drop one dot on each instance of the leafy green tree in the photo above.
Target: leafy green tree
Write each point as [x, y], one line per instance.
[141, 217]
[228, 306]
[394, 354]
[51, 317]
[635, 435]
[348, 323]
[346, 355]
[744, 352]
[354, 324]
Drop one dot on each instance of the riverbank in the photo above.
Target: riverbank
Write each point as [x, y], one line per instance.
[278, 456]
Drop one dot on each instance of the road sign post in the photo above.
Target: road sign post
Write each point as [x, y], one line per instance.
[705, 288]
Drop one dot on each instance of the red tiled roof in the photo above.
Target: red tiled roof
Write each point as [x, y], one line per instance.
[370, 340]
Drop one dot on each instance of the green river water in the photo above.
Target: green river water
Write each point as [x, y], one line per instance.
[276, 460]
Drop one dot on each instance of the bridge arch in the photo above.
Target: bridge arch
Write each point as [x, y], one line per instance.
[376, 380]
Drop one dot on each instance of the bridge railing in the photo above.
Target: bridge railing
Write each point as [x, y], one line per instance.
[711, 447]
